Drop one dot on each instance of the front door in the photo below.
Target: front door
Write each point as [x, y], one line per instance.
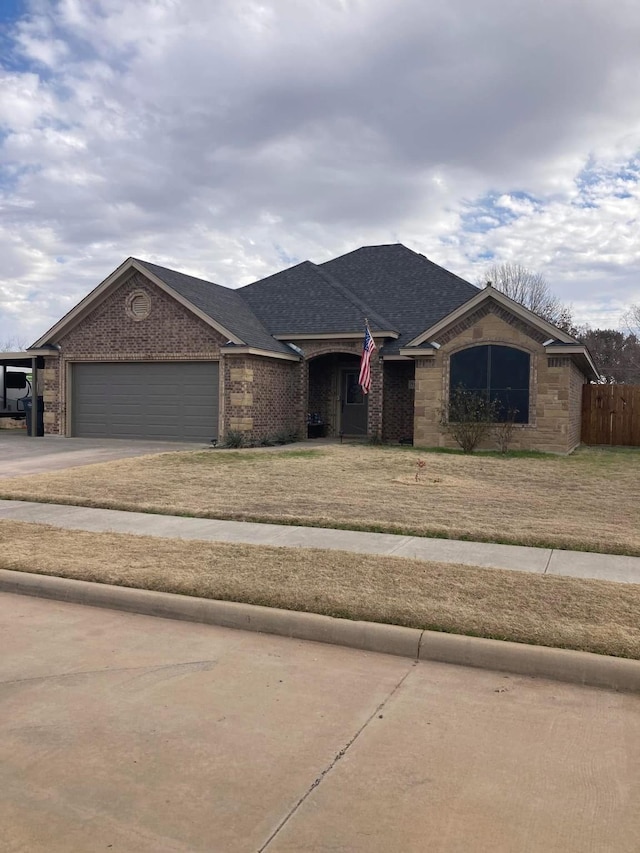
[353, 404]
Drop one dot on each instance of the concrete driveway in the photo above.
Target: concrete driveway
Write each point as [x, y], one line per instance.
[21, 455]
[128, 733]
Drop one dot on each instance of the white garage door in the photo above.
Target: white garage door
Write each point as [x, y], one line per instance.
[152, 400]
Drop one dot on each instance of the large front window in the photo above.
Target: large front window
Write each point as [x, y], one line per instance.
[499, 374]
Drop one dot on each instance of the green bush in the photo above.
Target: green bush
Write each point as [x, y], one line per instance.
[234, 438]
[285, 436]
[469, 418]
[375, 440]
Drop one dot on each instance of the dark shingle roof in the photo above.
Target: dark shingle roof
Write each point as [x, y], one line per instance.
[307, 299]
[222, 304]
[411, 291]
[395, 288]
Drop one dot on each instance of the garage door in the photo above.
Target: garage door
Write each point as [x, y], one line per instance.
[162, 400]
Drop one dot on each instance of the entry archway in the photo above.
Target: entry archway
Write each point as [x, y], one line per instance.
[336, 404]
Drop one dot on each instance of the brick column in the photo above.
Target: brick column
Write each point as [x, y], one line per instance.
[303, 398]
[374, 419]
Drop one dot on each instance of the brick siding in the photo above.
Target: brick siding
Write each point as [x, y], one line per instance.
[261, 396]
[109, 333]
[399, 400]
[323, 390]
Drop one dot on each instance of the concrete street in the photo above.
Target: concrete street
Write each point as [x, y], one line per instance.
[131, 733]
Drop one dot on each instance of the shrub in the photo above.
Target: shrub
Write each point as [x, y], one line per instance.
[375, 439]
[285, 436]
[503, 431]
[234, 438]
[469, 418]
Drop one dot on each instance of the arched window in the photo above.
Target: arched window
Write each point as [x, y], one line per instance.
[500, 374]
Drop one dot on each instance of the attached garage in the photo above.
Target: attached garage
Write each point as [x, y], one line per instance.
[154, 400]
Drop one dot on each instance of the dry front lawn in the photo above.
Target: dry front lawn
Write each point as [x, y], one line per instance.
[596, 616]
[590, 500]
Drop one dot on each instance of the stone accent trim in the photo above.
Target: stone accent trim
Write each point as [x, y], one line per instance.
[485, 309]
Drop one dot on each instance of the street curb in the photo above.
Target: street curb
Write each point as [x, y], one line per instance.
[589, 670]
[575, 667]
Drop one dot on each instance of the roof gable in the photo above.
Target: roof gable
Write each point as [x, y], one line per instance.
[220, 307]
[481, 296]
[221, 304]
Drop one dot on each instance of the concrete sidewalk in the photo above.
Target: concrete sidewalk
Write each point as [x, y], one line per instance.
[517, 558]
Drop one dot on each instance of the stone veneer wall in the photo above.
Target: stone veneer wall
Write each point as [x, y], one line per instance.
[51, 395]
[110, 333]
[553, 417]
[399, 400]
[576, 380]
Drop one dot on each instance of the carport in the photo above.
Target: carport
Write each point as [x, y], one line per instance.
[33, 360]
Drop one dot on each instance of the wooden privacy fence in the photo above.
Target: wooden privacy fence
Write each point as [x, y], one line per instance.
[611, 415]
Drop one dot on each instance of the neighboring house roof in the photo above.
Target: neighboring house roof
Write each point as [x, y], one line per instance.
[220, 303]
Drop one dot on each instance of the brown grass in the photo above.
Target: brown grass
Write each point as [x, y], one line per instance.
[589, 501]
[590, 615]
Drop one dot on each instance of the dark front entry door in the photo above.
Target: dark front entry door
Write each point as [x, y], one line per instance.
[353, 404]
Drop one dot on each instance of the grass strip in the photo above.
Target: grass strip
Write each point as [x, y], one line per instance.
[557, 542]
[588, 615]
[586, 502]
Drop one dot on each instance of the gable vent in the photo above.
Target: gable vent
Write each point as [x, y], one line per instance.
[138, 305]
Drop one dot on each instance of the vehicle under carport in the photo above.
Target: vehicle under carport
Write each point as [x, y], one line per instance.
[32, 360]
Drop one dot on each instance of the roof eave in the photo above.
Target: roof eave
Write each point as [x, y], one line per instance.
[580, 354]
[265, 353]
[310, 336]
[83, 307]
[417, 352]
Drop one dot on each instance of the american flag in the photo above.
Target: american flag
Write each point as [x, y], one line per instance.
[365, 362]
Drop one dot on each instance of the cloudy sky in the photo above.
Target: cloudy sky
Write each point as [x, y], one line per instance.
[231, 138]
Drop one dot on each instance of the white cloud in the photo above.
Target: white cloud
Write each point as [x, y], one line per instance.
[223, 138]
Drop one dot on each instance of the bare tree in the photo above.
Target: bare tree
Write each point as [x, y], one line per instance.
[532, 290]
[13, 345]
[632, 320]
[616, 354]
